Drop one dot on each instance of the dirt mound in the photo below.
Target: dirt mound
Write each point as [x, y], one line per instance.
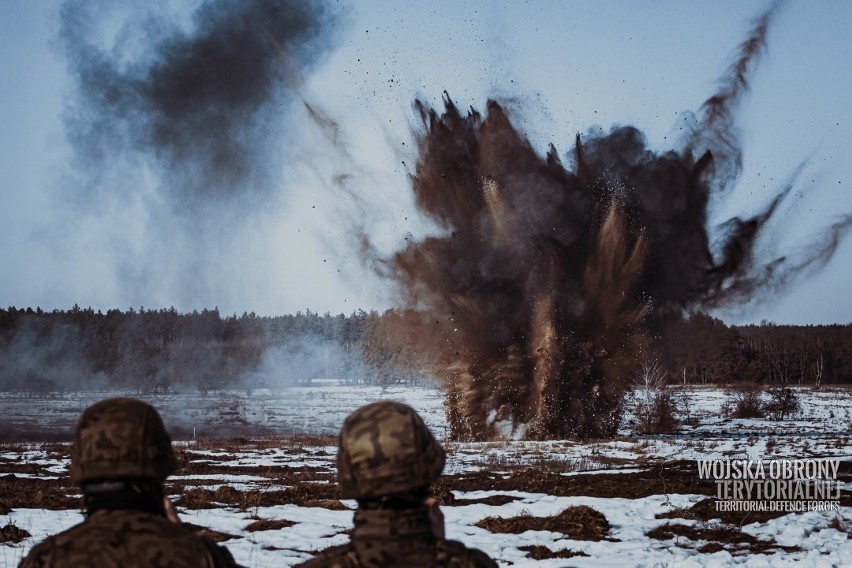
[269, 525]
[718, 537]
[538, 552]
[578, 523]
[201, 498]
[25, 492]
[305, 494]
[11, 533]
[705, 510]
[664, 478]
[493, 500]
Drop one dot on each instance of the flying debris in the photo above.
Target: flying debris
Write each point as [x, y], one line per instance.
[549, 285]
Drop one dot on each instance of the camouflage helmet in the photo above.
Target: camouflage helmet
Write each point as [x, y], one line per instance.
[121, 438]
[385, 448]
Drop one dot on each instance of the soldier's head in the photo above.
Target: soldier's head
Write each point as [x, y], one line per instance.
[119, 439]
[386, 449]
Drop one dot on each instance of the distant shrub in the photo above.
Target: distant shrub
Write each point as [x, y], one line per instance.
[657, 413]
[747, 403]
[783, 403]
[683, 402]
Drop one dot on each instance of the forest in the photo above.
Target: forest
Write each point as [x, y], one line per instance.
[164, 350]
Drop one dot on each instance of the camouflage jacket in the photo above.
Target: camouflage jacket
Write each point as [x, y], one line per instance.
[130, 539]
[398, 538]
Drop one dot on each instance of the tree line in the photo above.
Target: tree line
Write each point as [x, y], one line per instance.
[152, 350]
[161, 350]
[702, 349]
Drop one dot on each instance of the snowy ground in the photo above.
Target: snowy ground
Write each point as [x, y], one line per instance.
[286, 483]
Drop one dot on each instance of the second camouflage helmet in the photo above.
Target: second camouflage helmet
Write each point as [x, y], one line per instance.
[386, 448]
[121, 438]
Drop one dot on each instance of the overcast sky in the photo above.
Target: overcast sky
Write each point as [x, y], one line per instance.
[106, 216]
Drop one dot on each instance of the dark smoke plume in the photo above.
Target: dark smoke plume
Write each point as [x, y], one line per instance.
[201, 103]
[548, 284]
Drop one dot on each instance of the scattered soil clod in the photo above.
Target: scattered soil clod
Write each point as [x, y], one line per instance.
[269, 525]
[13, 534]
[538, 552]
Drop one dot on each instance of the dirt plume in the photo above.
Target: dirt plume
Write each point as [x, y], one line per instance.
[547, 284]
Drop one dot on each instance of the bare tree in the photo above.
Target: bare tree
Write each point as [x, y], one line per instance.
[780, 357]
[802, 356]
[819, 369]
[655, 406]
[652, 376]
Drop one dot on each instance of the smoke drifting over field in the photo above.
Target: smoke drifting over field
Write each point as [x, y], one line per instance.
[181, 122]
[203, 102]
[548, 283]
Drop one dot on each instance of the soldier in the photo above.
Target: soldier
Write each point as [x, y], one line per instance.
[120, 457]
[387, 459]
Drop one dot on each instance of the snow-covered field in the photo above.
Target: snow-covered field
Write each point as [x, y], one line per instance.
[269, 495]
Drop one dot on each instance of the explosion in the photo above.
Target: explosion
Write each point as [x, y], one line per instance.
[548, 284]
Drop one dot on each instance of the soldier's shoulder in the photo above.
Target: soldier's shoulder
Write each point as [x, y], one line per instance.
[335, 557]
[219, 555]
[59, 550]
[131, 539]
[38, 556]
[54, 550]
[460, 556]
[178, 541]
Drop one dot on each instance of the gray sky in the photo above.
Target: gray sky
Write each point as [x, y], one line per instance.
[116, 232]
